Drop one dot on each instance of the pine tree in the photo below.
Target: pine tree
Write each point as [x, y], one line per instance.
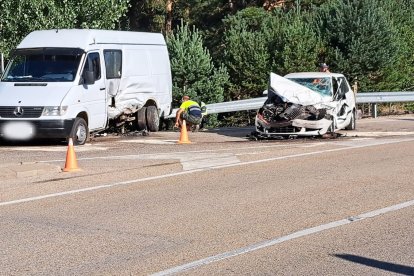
[399, 72]
[194, 73]
[359, 39]
[18, 18]
[258, 42]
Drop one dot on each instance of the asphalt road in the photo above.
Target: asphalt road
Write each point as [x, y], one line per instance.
[222, 205]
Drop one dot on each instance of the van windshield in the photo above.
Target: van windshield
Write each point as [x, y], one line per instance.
[43, 65]
[320, 85]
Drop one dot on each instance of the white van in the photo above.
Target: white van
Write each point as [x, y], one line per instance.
[70, 83]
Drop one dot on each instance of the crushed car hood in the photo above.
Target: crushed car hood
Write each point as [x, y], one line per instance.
[292, 92]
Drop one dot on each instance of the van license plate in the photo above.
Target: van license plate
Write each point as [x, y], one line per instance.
[18, 130]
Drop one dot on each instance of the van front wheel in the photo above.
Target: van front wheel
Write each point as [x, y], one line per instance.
[80, 132]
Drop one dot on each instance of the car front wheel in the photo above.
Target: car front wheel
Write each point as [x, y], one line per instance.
[352, 123]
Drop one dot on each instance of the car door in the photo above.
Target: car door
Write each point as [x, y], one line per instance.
[94, 98]
[343, 108]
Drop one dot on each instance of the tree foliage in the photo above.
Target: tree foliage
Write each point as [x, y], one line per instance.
[258, 42]
[400, 71]
[18, 18]
[359, 38]
[194, 73]
[368, 40]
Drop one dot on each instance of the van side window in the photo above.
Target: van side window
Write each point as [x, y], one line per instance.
[93, 64]
[113, 63]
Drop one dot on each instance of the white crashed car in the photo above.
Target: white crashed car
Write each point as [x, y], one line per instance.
[306, 104]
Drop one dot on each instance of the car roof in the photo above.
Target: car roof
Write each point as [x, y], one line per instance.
[313, 75]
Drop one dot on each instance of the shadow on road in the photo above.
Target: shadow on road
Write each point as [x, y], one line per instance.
[405, 119]
[391, 267]
[36, 142]
[241, 132]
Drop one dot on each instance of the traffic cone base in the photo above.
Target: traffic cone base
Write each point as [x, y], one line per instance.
[183, 134]
[71, 164]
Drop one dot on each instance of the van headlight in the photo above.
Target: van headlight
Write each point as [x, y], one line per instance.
[54, 110]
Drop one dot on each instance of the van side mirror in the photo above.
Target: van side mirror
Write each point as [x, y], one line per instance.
[88, 77]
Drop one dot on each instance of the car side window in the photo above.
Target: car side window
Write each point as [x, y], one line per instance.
[93, 64]
[344, 86]
[334, 86]
[113, 64]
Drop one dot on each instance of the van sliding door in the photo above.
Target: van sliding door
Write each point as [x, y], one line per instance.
[113, 73]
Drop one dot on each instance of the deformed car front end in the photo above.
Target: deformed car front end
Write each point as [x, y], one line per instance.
[306, 104]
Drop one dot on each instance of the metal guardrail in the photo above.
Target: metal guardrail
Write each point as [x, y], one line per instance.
[385, 97]
[253, 104]
[232, 106]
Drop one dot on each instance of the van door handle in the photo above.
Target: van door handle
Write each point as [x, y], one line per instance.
[102, 88]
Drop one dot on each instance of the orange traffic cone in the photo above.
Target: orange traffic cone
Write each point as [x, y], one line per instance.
[71, 164]
[184, 134]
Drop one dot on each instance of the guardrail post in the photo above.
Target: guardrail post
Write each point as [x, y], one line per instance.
[374, 110]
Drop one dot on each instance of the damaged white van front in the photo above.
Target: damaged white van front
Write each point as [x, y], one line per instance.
[69, 83]
[306, 104]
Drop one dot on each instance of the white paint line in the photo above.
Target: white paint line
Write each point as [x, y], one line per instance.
[313, 145]
[379, 133]
[84, 148]
[150, 141]
[138, 156]
[94, 188]
[384, 119]
[268, 243]
[106, 186]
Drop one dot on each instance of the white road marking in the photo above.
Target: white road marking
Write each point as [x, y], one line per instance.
[94, 188]
[150, 141]
[295, 235]
[313, 145]
[83, 148]
[384, 119]
[379, 133]
[139, 180]
[139, 156]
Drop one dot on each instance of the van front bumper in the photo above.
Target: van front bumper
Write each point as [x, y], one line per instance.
[29, 129]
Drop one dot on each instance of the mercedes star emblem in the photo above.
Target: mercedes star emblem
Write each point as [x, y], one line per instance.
[18, 111]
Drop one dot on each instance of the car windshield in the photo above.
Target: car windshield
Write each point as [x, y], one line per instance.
[43, 65]
[320, 85]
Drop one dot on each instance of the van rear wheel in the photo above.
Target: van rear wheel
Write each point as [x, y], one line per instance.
[153, 119]
[141, 119]
[80, 131]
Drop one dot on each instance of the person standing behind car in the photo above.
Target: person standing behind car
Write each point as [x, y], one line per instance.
[189, 111]
[324, 68]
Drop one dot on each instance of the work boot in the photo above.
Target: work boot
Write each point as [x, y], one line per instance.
[195, 128]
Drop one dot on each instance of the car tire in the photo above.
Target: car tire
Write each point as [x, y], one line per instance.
[153, 119]
[80, 132]
[332, 128]
[141, 119]
[352, 123]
